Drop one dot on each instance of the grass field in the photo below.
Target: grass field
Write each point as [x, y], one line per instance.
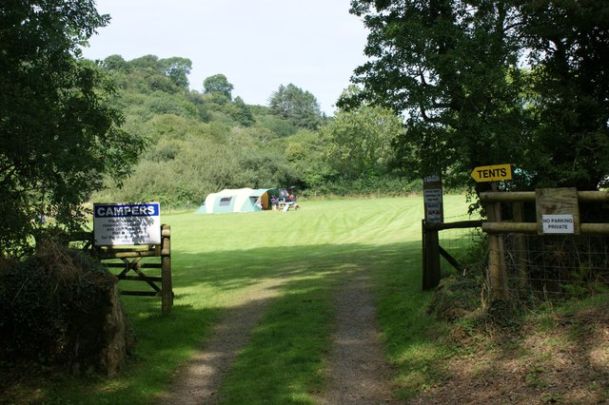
[219, 259]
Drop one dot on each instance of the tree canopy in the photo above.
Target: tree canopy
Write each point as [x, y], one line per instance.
[297, 105]
[456, 70]
[218, 84]
[59, 131]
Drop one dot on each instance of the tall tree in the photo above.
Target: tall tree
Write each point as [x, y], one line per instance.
[360, 141]
[568, 48]
[242, 113]
[218, 84]
[450, 67]
[297, 105]
[454, 68]
[59, 131]
[177, 69]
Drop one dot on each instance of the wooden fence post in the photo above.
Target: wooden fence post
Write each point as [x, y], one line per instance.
[520, 246]
[431, 257]
[166, 284]
[497, 269]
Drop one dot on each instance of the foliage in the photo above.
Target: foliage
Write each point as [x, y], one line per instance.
[360, 141]
[242, 113]
[568, 45]
[454, 69]
[298, 106]
[218, 84]
[59, 129]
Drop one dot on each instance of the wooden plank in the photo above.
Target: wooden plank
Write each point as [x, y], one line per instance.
[424, 255]
[137, 278]
[142, 265]
[147, 279]
[509, 227]
[520, 247]
[139, 293]
[126, 255]
[595, 229]
[145, 248]
[593, 196]
[529, 196]
[432, 271]
[557, 201]
[454, 225]
[500, 196]
[497, 269]
[531, 227]
[450, 259]
[167, 287]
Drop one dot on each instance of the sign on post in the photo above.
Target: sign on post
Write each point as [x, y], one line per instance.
[127, 224]
[433, 200]
[559, 224]
[483, 174]
[557, 211]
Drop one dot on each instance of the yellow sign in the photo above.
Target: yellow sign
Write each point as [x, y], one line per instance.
[483, 174]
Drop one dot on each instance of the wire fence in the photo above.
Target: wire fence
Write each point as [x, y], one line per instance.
[466, 245]
[557, 266]
[538, 267]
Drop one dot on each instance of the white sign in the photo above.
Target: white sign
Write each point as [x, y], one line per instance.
[558, 223]
[433, 205]
[127, 224]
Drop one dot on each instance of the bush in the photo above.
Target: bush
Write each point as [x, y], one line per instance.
[60, 308]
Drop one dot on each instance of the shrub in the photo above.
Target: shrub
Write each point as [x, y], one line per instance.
[60, 308]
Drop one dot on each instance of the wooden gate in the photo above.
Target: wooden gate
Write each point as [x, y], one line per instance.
[133, 269]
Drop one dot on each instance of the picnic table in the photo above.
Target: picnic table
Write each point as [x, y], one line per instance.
[285, 205]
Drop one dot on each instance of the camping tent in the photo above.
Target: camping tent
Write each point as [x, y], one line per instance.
[236, 200]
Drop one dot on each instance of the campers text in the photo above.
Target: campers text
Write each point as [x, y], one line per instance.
[131, 210]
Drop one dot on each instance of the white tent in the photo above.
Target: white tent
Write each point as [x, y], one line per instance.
[236, 200]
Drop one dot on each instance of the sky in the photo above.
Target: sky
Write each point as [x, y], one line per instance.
[257, 44]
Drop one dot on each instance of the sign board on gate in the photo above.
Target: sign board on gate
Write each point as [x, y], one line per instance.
[433, 199]
[127, 224]
[482, 174]
[557, 211]
[559, 224]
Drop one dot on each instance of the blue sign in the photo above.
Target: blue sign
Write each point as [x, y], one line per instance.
[126, 210]
[127, 224]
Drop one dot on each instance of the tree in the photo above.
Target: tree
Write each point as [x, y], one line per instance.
[59, 131]
[568, 44]
[177, 69]
[450, 66]
[296, 105]
[218, 84]
[360, 141]
[115, 62]
[454, 68]
[242, 113]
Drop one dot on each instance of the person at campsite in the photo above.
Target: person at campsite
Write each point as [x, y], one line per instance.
[292, 200]
[275, 202]
[283, 195]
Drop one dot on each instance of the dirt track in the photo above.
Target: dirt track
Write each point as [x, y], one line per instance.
[357, 372]
[198, 381]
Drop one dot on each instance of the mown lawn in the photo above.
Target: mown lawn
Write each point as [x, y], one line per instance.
[219, 258]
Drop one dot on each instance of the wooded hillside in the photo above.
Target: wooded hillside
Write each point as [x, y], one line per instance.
[202, 141]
